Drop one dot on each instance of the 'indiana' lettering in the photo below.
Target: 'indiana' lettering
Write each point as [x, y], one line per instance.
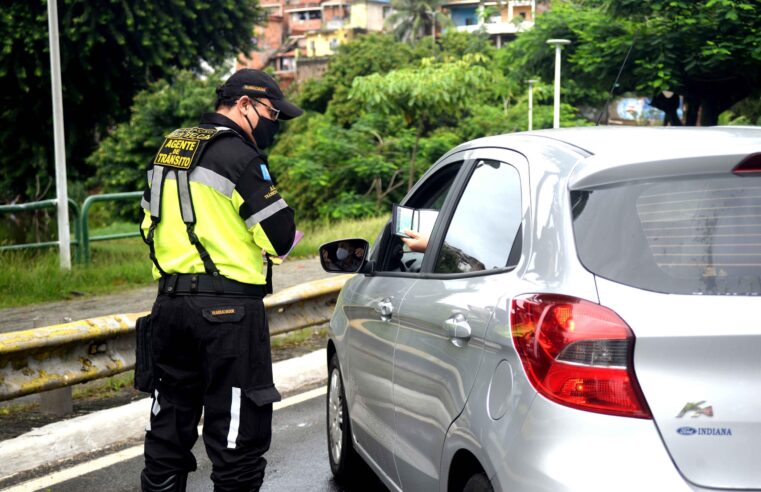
[173, 160]
[714, 431]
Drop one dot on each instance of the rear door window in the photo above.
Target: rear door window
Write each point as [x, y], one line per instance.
[697, 235]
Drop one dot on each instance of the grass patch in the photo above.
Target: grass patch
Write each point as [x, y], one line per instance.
[29, 277]
[103, 388]
[18, 408]
[98, 389]
[34, 276]
[298, 337]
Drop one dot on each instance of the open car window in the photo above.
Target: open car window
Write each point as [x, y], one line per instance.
[394, 255]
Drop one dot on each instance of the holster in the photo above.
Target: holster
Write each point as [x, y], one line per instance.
[144, 378]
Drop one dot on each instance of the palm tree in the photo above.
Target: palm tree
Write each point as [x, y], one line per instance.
[411, 20]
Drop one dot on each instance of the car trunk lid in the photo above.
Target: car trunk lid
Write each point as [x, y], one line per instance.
[698, 363]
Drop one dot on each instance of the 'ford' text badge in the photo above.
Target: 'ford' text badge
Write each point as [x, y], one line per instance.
[687, 431]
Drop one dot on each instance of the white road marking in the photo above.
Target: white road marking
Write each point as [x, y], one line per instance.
[130, 453]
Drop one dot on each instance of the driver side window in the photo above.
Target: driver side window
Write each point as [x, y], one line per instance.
[431, 196]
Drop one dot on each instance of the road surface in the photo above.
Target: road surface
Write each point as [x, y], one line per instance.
[297, 460]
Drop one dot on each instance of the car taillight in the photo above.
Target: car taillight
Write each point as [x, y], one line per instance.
[578, 354]
[750, 165]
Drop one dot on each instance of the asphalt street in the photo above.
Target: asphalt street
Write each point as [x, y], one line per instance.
[297, 461]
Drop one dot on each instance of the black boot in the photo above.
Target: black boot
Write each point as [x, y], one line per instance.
[173, 483]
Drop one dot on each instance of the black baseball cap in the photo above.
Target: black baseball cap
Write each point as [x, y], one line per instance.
[254, 84]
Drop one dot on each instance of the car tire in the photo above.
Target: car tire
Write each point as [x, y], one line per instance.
[341, 453]
[478, 483]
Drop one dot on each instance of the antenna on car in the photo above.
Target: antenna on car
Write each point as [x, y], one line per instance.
[615, 82]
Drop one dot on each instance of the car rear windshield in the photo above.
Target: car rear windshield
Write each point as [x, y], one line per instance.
[682, 236]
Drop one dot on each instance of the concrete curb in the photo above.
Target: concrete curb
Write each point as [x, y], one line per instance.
[69, 438]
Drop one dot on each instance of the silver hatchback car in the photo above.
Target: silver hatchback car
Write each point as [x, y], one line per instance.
[586, 317]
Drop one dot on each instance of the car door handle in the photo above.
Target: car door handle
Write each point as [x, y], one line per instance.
[458, 329]
[384, 309]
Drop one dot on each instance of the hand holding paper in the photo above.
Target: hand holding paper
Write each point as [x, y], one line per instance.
[415, 241]
[276, 260]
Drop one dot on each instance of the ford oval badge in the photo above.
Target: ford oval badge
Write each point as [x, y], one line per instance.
[687, 431]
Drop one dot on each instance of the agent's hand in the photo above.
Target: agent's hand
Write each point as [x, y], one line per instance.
[416, 241]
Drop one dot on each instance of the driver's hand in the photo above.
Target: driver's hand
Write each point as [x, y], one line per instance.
[416, 241]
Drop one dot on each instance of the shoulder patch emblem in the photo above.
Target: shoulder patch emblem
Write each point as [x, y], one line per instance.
[180, 148]
[266, 173]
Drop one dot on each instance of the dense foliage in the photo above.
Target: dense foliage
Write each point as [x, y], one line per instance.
[109, 52]
[376, 125]
[123, 156]
[707, 51]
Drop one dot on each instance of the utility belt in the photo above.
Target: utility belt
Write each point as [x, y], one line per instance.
[201, 283]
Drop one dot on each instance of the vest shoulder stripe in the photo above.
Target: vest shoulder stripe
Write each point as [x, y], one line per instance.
[209, 178]
[266, 213]
[213, 180]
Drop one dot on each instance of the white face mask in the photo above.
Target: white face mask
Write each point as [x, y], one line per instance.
[342, 253]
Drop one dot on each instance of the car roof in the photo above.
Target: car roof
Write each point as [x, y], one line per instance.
[610, 154]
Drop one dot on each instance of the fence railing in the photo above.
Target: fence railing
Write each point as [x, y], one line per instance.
[85, 217]
[41, 205]
[80, 219]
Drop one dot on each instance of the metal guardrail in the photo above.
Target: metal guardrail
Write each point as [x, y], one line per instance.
[85, 219]
[42, 359]
[51, 203]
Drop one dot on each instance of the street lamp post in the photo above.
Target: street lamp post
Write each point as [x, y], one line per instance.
[58, 138]
[531, 103]
[432, 13]
[558, 44]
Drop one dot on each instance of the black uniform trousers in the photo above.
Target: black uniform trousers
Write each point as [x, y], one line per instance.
[211, 352]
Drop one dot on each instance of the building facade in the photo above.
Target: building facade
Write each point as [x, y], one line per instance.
[297, 30]
[308, 32]
[501, 20]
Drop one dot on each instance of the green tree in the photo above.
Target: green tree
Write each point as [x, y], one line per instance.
[708, 51]
[123, 157]
[109, 52]
[355, 59]
[428, 96]
[349, 157]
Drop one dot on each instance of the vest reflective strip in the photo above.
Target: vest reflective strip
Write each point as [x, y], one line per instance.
[156, 407]
[265, 213]
[156, 182]
[232, 435]
[207, 177]
[186, 206]
[144, 203]
[213, 180]
[150, 175]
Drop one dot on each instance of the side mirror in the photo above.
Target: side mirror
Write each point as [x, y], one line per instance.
[344, 255]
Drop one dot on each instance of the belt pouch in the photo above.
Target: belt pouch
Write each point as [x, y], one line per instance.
[144, 380]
